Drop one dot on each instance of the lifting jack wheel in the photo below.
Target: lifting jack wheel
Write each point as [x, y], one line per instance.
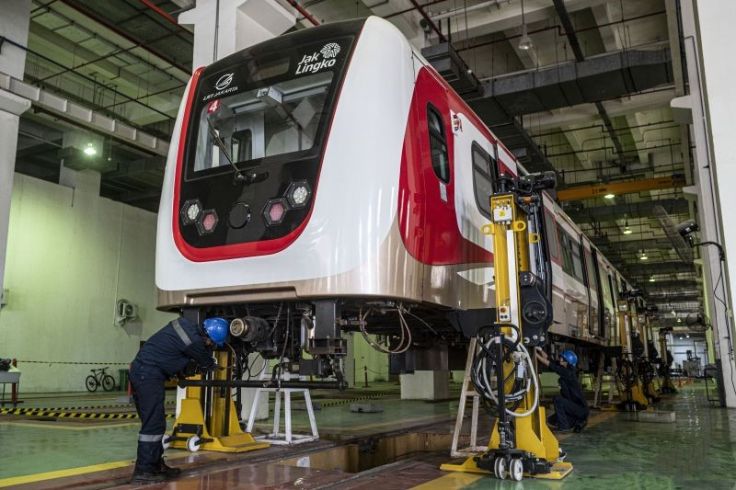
[499, 467]
[516, 469]
[193, 444]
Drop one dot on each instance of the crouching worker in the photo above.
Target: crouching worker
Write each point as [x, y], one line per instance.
[163, 356]
[571, 409]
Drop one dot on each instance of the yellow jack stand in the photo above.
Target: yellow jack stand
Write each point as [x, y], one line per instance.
[634, 397]
[534, 451]
[532, 436]
[193, 431]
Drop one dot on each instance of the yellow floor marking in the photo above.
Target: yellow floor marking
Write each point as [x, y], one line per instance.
[82, 470]
[450, 481]
[50, 475]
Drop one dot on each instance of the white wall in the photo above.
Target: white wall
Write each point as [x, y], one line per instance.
[715, 21]
[71, 255]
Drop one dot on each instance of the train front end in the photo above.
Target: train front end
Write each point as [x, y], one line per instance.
[279, 203]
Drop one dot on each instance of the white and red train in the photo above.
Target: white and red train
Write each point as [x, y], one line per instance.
[358, 186]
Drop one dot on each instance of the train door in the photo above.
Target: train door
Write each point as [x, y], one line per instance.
[558, 291]
[475, 175]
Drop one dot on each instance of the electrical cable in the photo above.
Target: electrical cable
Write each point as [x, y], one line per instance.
[406, 336]
[526, 376]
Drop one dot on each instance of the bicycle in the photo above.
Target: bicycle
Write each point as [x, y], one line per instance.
[99, 377]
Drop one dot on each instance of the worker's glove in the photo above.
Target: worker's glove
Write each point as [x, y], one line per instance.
[190, 369]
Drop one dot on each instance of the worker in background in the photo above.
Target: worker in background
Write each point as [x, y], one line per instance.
[571, 409]
[166, 354]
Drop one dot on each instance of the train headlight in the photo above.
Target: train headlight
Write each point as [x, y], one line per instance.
[275, 211]
[298, 194]
[238, 327]
[207, 222]
[190, 211]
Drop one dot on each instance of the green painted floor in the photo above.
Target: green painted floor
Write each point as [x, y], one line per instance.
[698, 451]
[33, 448]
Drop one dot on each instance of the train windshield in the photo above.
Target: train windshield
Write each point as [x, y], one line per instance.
[262, 122]
[264, 108]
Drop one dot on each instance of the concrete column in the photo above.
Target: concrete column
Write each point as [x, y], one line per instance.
[431, 377]
[425, 385]
[14, 23]
[223, 27]
[709, 108]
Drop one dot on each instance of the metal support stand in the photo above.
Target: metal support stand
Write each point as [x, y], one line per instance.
[467, 390]
[287, 437]
[599, 381]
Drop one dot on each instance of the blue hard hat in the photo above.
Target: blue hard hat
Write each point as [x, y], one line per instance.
[570, 357]
[216, 329]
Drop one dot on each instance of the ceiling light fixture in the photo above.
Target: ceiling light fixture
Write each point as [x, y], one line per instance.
[627, 228]
[90, 150]
[525, 43]
[651, 279]
[609, 196]
[643, 255]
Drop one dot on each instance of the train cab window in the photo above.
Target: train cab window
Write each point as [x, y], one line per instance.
[483, 182]
[438, 144]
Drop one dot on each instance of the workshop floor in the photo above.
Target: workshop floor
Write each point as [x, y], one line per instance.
[613, 452]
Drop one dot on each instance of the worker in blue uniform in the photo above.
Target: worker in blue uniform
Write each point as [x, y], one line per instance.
[166, 354]
[571, 409]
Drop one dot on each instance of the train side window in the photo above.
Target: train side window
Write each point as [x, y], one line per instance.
[590, 267]
[552, 237]
[566, 246]
[438, 144]
[483, 182]
[577, 260]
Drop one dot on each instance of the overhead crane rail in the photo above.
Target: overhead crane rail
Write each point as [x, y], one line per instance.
[577, 193]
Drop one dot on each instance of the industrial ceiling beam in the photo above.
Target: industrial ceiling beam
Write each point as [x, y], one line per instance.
[650, 269]
[82, 116]
[630, 245]
[579, 192]
[572, 39]
[598, 79]
[88, 12]
[630, 210]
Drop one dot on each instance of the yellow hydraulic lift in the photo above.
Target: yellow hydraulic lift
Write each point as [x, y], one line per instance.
[577, 193]
[208, 419]
[520, 444]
